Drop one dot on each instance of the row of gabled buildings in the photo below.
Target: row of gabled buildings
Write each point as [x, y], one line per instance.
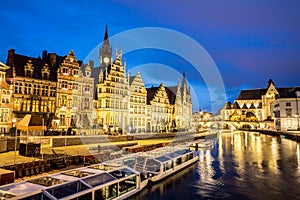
[68, 94]
[271, 107]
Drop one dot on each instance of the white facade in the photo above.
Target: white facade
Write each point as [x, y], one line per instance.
[286, 111]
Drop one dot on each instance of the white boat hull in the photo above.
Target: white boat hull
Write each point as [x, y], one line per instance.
[172, 171]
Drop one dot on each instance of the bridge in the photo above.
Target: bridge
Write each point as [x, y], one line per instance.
[234, 125]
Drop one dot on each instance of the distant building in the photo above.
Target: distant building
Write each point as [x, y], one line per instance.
[271, 107]
[200, 120]
[286, 109]
[251, 105]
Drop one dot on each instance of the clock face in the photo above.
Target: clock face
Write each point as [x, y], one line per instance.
[106, 59]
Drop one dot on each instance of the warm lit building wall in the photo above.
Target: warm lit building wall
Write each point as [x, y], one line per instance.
[286, 112]
[161, 110]
[138, 99]
[5, 101]
[69, 92]
[113, 97]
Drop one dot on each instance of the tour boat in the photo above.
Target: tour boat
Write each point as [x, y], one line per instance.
[93, 182]
[162, 166]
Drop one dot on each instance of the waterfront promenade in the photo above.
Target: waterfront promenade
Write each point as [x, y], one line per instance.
[12, 157]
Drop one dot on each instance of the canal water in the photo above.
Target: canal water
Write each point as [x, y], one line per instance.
[242, 165]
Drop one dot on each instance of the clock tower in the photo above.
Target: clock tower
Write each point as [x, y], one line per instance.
[105, 54]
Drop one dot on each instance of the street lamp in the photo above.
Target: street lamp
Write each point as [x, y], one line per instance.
[124, 107]
[14, 121]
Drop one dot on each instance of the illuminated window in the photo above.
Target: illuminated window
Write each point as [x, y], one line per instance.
[17, 104]
[28, 103]
[35, 105]
[43, 106]
[64, 100]
[51, 106]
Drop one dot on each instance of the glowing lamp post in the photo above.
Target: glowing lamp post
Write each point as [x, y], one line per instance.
[14, 121]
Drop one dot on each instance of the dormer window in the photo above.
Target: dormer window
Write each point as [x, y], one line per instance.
[45, 72]
[28, 69]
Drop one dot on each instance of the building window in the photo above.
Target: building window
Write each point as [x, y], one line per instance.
[289, 122]
[65, 70]
[28, 73]
[52, 92]
[288, 104]
[17, 104]
[45, 75]
[4, 115]
[75, 72]
[44, 90]
[75, 86]
[86, 103]
[51, 107]
[288, 112]
[35, 105]
[43, 106]
[64, 100]
[64, 84]
[36, 89]
[75, 101]
[27, 88]
[73, 120]
[62, 119]
[87, 88]
[18, 88]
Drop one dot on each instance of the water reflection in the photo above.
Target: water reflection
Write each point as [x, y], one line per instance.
[242, 165]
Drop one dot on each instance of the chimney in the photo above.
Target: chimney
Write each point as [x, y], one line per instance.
[53, 59]
[44, 56]
[91, 63]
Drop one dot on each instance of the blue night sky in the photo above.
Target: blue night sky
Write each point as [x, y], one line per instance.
[249, 41]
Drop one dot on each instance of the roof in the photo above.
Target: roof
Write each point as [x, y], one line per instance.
[227, 105]
[131, 78]
[172, 91]
[236, 106]
[31, 122]
[244, 106]
[18, 61]
[251, 94]
[151, 93]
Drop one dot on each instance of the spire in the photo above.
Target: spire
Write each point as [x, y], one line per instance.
[270, 82]
[106, 33]
[183, 85]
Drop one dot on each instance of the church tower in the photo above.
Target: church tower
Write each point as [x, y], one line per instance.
[105, 54]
